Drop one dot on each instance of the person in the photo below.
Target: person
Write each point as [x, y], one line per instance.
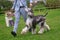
[19, 8]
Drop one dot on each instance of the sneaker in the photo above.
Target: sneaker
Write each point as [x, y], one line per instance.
[13, 33]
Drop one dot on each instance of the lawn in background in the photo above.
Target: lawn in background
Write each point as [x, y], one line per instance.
[52, 19]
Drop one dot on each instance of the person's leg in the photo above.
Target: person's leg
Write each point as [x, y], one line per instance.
[23, 13]
[17, 17]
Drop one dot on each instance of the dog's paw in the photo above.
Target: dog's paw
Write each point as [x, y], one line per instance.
[40, 32]
[23, 32]
[34, 33]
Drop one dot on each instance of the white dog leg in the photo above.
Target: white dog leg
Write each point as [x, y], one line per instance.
[46, 26]
[7, 21]
[24, 30]
[33, 31]
[41, 30]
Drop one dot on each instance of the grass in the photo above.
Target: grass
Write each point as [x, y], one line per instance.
[52, 19]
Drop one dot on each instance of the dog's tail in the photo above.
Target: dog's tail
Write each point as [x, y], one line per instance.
[46, 14]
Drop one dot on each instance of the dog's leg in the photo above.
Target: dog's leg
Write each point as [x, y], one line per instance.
[46, 26]
[25, 30]
[7, 21]
[11, 22]
[41, 31]
[34, 29]
[30, 29]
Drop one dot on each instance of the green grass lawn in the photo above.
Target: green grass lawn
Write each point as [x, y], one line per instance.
[52, 19]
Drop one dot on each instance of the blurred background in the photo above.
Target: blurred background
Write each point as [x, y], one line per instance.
[6, 4]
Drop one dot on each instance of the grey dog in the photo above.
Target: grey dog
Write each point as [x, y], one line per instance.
[32, 21]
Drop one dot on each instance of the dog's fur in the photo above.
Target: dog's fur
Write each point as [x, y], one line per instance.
[32, 21]
[8, 18]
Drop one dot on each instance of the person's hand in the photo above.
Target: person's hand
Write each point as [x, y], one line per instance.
[31, 4]
[35, 2]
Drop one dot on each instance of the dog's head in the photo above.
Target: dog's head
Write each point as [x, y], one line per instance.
[9, 13]
[29, 12]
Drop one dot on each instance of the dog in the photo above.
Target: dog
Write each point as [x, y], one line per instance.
[32, 21]
[9, 18]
